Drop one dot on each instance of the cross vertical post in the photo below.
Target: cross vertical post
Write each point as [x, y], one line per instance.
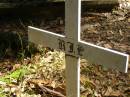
[72, 31]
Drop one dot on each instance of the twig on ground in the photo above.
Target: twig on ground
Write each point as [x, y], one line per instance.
[47, 90]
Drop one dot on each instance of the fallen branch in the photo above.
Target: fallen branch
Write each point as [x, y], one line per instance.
[47, 90]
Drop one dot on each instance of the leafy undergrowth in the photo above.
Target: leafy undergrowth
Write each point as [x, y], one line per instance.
[10, 81]
[44, 76]
[43, 69]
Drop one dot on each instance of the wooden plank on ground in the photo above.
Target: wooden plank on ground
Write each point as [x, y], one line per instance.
[94, 1]
[101, 2]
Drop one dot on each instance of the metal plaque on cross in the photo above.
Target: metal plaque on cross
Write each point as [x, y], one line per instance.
[75, 49]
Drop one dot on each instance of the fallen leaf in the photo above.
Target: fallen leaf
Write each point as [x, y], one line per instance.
[129, 20]
[107, 46]
[112, 93]
[2, 83]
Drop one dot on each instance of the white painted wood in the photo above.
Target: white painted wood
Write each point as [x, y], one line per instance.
[72, 19]
[95, 54]
[72, 31]
[108, 58]
[43, 37]
[74, 48]
[72, 76]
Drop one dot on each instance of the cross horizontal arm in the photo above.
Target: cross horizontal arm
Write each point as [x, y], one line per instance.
[106, 57]
[43, 37]
[95, 54]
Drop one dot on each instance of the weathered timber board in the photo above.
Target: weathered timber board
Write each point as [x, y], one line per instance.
[50, 7]
[101, 2]
[37, 3]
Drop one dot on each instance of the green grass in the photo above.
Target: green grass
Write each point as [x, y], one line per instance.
[15, 75]
[12, 77]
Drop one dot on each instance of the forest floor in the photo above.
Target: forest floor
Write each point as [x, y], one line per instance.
[29, 71]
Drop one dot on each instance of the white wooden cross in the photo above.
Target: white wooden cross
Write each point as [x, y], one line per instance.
[74, 48]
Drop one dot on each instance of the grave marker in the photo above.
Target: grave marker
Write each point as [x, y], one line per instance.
[74, 48]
